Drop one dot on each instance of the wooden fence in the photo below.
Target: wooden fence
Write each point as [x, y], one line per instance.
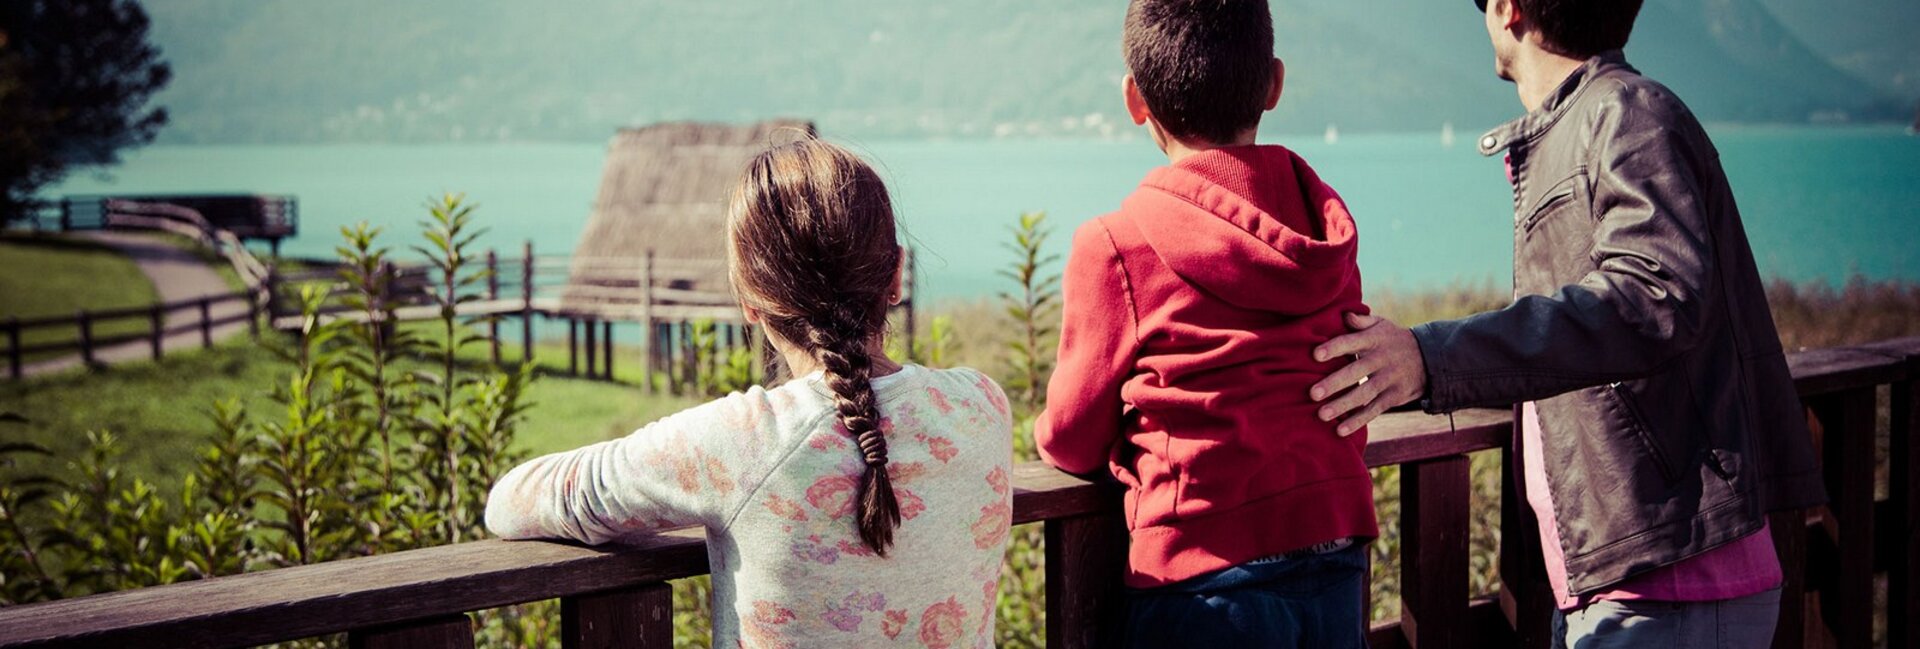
[665, 298]
[618, 597]
[87, 344]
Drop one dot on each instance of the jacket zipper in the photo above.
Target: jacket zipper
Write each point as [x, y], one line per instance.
[1639, 425]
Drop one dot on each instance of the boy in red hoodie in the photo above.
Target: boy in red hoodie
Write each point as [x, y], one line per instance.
[1190, 316]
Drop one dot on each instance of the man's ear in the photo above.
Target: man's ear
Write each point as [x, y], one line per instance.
[1509, 14]
[1136, 103]
[1279, 83]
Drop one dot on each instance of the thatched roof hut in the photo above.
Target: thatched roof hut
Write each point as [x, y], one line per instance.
[664, 192]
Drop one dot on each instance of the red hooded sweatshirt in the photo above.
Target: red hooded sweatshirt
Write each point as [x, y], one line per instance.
[1189, 321]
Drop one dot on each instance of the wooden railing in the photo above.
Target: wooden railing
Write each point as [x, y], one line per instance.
[617, 597]
[162, 217]
[88, 342]
[586, 295]
[250, 216]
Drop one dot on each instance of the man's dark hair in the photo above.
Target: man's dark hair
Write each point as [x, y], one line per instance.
[1204, 66]
[1581, 28]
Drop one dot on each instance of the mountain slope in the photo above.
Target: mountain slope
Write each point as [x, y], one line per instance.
[365, 70]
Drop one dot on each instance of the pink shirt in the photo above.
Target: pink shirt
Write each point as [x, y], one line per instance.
[1737, 569]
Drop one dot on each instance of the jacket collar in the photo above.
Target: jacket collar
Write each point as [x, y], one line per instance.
[1556, 104]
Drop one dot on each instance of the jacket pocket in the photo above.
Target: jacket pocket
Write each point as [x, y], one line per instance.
[1636, 423]
[1569, 197]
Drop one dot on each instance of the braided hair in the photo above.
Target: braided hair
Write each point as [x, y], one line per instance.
[812, 248]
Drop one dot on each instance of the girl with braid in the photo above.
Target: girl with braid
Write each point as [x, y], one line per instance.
[865, 503]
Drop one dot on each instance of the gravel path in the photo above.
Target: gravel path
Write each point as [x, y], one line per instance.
[176, 275]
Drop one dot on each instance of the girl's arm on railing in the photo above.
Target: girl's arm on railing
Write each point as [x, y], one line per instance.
[691, 468]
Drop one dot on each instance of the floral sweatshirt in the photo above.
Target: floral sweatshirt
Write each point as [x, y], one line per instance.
[771, 475]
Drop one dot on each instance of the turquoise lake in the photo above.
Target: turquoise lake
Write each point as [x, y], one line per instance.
[1819, 203]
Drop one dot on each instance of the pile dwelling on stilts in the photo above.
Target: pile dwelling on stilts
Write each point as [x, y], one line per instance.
[654, 251]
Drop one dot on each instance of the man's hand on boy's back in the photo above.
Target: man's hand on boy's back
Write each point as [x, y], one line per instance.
[1387, 371]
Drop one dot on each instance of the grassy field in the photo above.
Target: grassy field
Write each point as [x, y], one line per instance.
[162, 409]
[53, 275]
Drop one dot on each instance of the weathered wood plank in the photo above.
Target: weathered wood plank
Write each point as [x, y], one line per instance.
[1821, 371]
[1903, 502]
[445, 632]
[1402, 437]
[1434, 515]
[1848, 421]
[1086, 557]
[640, 617]
[1487, 624]
[1526, 599]
[277, 605]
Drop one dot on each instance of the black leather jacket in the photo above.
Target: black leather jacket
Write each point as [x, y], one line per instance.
[1669, 422]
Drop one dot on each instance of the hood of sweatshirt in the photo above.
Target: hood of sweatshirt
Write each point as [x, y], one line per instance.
[1260, 230]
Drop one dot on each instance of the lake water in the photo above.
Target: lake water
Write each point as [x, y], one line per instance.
[1819, 203]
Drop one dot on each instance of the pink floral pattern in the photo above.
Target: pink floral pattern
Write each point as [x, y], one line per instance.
[775, 480]
[943, 624]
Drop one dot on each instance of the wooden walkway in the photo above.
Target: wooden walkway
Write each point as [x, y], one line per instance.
[178, 275]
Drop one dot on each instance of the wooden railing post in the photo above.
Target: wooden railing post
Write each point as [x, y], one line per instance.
[689, 361]
[157, 328]
[573, 347]
[269, 288]
[206, 322]
[446, 632]
[1525, 596]
[647, 337]
[526, 302]
[85, 321]
[493, 294]
[12, 346]
[1434, 515]
[1086, 556]
[1847, 420]
[591, 347]
[606, 349]
[907, 281]
[253, 314]
[640, 617]
[1903, 499]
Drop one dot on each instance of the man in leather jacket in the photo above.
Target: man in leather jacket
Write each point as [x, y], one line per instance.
[1659, 423]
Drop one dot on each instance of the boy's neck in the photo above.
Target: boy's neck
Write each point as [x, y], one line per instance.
[1178, 150]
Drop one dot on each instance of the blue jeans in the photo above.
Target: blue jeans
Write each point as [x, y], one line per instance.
[1310, 601]
[1738, 623]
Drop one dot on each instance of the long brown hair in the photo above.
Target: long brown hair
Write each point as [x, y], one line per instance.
[812, 248]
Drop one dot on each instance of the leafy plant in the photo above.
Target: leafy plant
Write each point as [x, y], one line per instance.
[1034, 309]
[359, 457]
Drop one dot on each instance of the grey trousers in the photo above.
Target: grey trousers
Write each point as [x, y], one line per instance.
[1739, 623]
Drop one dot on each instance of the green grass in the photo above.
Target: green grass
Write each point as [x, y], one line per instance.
[162, 409]
[51, 275]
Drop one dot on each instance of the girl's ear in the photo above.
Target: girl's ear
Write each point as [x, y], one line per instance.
[753, 315]
[899, 273]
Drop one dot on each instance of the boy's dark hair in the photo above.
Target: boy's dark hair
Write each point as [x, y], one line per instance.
[1581, 28]
[1204, 66]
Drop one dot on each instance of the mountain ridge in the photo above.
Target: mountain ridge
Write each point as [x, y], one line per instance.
[362, 70]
